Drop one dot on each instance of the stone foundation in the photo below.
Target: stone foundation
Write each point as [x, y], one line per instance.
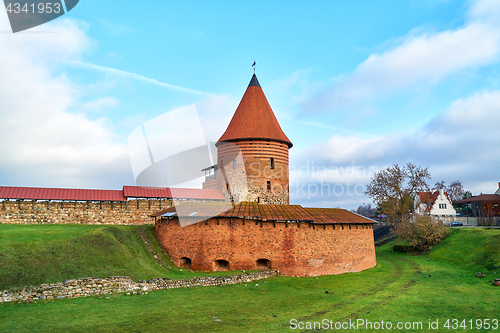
[120, 284]
[129, 212]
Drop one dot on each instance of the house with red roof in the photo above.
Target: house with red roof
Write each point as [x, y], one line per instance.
[435, 203]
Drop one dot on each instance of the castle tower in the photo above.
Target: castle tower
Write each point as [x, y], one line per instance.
[263, 169]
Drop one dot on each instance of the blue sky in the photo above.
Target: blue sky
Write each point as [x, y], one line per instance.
[356, 86]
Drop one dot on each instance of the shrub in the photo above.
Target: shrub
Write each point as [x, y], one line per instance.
[422, 232]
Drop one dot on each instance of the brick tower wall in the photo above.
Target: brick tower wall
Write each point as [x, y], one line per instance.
[295, 249]
[255, 170]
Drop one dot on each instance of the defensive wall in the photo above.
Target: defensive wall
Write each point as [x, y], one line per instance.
[295, 249]
[136, 211]
[132, 205]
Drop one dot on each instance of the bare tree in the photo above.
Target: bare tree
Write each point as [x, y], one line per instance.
[366, 210]
[455, 190]
[395, 188]
[440, 185]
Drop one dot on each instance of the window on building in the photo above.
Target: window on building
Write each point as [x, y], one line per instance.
[272, 163]
[444, 206]
[234, 164]
[268, 185]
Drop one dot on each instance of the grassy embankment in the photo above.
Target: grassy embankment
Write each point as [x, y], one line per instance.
[35, 254]
[437, 286]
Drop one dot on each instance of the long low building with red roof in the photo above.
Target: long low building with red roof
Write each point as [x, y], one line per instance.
[66, 194]
[131, 205]
[298, 241]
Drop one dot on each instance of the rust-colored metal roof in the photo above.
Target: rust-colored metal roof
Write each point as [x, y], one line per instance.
[194, 193]
[254, 118]
[249, 210]
[203, 209]
[38, 193]
[146, 192]
[170, 192]
[479, 198]
[268, 212]
[336, 215]
[253, 210]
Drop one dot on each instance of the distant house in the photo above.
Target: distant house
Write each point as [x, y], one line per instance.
[436, 203]
[498, 191]
[483, 205]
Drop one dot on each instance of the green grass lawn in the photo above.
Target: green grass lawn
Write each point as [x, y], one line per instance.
[48, 253]
[439, 285]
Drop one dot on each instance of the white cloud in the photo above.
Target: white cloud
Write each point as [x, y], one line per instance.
[429, 57]
[485, 10]
[46, 138]
[215, 114]
[461, 143]
[478, 115]
[420, 57]
[43, 143]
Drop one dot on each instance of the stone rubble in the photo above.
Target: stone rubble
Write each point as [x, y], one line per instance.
[91, 286]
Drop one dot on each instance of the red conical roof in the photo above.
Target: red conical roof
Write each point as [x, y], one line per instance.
[254, 118]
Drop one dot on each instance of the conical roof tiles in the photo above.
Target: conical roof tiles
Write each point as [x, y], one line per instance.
[254, 118]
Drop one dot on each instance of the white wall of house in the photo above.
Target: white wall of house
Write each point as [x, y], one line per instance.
[442, 206]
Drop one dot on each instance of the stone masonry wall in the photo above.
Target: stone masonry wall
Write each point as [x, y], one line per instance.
[120, 284]
[255, 170]
[130, 212]
[295, 249]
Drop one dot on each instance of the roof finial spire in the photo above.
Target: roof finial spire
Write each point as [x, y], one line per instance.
[254, 66]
